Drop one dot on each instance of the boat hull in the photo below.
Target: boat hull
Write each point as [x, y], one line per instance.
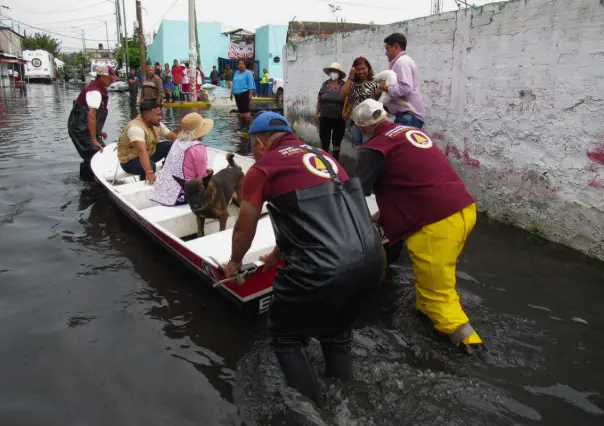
[254, 302]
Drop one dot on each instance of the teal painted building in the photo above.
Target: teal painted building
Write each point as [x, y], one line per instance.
[270, 40]
[172, 40]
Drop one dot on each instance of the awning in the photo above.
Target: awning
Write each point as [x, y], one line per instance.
[11, 59]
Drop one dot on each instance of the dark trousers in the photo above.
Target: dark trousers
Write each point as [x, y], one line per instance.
[133, 96]
[134, 167]
[264, 89]
[330, 321]
[331, 131]
[408, 119]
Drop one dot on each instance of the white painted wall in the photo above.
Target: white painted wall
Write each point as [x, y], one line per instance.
[533, 158]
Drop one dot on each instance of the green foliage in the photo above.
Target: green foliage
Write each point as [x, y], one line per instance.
[44, 42]
[133, 51]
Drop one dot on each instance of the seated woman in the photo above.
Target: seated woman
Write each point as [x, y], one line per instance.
[187, 159]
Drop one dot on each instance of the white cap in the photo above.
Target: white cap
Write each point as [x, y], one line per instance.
[368, 113]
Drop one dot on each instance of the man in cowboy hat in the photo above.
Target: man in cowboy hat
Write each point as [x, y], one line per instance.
[188, 159]
[423, 201]
[330, 104]
[138, 147]
[87, 118]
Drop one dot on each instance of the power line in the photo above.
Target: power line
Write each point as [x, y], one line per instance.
[54, 33]
[164, 14]
[78, 20]
[55, 12]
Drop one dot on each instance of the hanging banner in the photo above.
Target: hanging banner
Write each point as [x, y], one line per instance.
[241, 50]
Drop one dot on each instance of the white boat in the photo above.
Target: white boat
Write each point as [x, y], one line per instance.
[175, 228]
[118, 86]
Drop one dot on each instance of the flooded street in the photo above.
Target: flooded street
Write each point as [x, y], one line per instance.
[100, 325]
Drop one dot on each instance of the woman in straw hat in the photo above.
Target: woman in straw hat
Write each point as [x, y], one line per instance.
[330, 104]
[188, 159]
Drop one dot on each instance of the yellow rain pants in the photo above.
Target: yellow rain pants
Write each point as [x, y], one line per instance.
[434, 250]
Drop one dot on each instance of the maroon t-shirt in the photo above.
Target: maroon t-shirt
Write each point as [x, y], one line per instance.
[285, 168]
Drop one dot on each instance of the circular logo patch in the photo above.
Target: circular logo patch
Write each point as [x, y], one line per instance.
[36, 62]
[316, 166]
[419, 139]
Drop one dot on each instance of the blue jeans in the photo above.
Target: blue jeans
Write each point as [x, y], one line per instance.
[407, 119]
[134, 166]
[358, 138]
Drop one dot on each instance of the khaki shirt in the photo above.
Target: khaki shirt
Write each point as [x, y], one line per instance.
[152, 87]
[126, 146]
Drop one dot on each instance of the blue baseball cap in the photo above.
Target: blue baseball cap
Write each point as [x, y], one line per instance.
[269, 121]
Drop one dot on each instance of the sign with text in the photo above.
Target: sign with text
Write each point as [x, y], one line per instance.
[241, 50]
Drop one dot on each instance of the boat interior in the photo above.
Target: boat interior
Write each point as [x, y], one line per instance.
[179, 221]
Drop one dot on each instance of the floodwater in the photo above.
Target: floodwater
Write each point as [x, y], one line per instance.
[100, 326]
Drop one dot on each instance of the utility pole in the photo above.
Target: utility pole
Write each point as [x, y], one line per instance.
[83, 43]
[107, 34]
[192, 52]
[141, 36]
[125, 43]
[119, 33]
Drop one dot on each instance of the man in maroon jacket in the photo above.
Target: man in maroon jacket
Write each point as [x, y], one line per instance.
[331, 250]
[422, 200]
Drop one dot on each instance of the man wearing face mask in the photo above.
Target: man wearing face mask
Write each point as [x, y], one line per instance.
[330, 104]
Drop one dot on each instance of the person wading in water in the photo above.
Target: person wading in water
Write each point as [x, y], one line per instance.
[88, 115]
[332, 253]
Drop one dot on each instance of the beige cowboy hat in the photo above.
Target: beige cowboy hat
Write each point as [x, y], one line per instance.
[194, 126]
[334, 67]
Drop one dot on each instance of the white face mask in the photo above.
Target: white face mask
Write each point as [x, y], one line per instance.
[334, 76]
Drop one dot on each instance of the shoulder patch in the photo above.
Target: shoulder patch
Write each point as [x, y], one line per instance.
[419, 139]
[314, 165]
[395, 131]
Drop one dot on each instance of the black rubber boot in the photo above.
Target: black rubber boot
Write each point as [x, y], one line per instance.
[336, 155]
[296, 368]
[338, 356]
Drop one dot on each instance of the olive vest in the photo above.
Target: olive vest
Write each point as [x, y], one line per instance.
[126, 150]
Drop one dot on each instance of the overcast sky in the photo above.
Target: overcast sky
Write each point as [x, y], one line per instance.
[67, 18]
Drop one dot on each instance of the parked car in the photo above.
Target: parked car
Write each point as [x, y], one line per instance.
[278, 91]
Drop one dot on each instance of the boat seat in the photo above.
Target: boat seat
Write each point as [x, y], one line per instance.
[159, 213]
[218, 245]
[110, 174]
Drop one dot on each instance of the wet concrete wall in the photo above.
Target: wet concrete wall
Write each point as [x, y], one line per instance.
[514, 94]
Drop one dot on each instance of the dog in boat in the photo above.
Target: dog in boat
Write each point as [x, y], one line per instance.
[209, 197]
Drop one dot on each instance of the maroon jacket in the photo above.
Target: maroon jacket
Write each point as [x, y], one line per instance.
[417, 186]
[288, 168]
[330, 247]
[92, 86]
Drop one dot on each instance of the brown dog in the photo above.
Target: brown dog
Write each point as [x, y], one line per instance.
[209, 197]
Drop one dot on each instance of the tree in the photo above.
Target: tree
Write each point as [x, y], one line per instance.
[44, 42]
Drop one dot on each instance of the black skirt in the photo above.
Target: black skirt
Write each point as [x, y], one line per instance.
[243, 102]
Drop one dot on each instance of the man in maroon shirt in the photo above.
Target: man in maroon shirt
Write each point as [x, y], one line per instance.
[324, 234]
[422, 200]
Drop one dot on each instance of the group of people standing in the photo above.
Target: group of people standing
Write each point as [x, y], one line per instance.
[331, 252]
[167, 84]
[341, 94]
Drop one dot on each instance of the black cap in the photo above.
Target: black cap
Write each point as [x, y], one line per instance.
[148, 105]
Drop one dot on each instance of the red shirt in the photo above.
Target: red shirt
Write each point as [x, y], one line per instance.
[177, 74]
[416, 186]
[284, 169]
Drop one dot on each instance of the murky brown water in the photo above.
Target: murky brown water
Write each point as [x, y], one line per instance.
[100, 326]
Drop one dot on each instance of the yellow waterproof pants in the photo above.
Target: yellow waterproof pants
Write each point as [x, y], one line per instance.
[434, 250]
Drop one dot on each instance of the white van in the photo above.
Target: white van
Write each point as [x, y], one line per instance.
[96, 62]
[40, 65]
